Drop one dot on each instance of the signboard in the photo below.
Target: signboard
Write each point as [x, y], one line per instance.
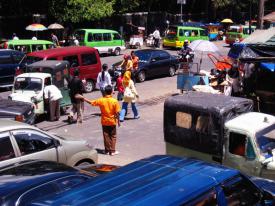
[181, 1]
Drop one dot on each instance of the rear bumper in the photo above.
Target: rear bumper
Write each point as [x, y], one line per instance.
[175, 44]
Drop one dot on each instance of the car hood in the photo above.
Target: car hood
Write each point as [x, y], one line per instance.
[12, 108]
[264, 184]
[23, 96]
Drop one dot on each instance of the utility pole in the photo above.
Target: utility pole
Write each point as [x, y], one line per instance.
[181, 2]
[260, 14]
[250, 10]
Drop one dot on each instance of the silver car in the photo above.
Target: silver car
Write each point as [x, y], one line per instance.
[19, 142]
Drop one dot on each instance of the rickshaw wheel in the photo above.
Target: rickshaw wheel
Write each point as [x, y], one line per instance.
[90, 86]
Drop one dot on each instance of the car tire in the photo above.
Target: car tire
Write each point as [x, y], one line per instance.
[90, 86]
[141, 76]
[117, 52]
[172, 71]
[84, 162]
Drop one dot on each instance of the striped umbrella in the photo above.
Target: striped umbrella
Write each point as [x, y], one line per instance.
[36, 27]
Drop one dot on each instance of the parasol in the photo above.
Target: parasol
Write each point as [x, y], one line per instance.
[36, 27]
[229, 21]
[55, 26]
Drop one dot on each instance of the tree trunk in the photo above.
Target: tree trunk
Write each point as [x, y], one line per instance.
[260, 14]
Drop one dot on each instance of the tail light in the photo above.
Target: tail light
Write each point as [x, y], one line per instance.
[5, 45]
[18, 71]
[19, 118]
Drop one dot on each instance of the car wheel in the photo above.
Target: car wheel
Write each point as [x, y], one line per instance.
[117, 52]
[84, 162]
[90, 86]
[141, 76]
[172, 71]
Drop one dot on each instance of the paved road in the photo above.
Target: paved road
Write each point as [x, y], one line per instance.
[136, 138]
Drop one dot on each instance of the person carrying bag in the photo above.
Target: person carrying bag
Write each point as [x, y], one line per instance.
[130, 96]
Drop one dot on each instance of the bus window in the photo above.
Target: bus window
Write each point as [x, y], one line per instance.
[181, 32]
[90, 37]
[107, 37]
[117, 36]
[97, 37]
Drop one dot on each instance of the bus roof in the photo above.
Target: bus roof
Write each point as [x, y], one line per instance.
[187, 27]
[157, 180]
[98, 30]
[28, 41]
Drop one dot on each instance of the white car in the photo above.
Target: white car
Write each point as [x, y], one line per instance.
[19, 142]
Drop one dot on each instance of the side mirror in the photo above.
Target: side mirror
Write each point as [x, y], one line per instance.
[56, 143]
[153, 60]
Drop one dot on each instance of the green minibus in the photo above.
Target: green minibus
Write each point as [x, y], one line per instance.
[104, 40]
[176, 35]
[237, 33]
[27, 45]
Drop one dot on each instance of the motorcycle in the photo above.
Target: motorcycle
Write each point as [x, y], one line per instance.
[115, 72]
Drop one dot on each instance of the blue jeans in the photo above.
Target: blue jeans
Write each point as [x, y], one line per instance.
[124, 109]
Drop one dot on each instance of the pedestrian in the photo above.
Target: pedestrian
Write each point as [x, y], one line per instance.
[103, 79]
[52, 96]
[55, 40]
[110, 109]
[127, 64]
[135, 61]
[76, 88]
[14, 36]
[120, 88]
[130, 96]
[75, 40]
[156, 36]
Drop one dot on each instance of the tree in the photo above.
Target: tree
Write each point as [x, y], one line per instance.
[81, 10]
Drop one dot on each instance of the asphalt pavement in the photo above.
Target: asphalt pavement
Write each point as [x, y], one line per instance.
[137, 138]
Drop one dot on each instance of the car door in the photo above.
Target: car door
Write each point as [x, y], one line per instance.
[154, 67]
[8, 152]
[34, 144]
[165, 62]
[88, 66]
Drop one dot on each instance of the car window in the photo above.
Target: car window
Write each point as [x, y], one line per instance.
[237, 143]
[30, 141]
[183, 120]
[156, 56]
[88, 59]
[97, 37]
[90, 37]
[164, 55]
[187, 33]
[5, 59]
[203, 33]
[6, 151]
[241, 191]
[117, 36]
[37, 47]
[207, 199]
[181, 32]
[17, 57]
[107, 37]
[72, 59]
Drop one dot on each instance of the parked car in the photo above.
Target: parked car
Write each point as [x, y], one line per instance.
[17, 110]
[21, 142]
[85, 59]
[26, 181]
[167, 180]
[9, 61]
[153, 63]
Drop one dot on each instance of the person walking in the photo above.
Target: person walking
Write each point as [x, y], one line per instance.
[103, 79]
[156, 36]
[120, 88]
[110, 109]
[76, 88]
[130, 96]
[55, 40]
[52, 96]
[135, 61]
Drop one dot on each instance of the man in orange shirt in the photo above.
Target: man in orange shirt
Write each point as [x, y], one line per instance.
[135, 60]
[110, 109]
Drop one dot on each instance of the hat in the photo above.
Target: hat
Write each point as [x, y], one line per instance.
[126, 56]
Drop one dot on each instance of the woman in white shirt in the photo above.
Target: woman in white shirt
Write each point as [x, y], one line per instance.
[103, 79]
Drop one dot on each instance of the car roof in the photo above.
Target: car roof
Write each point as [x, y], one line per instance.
[35, 75]
[188, 27]
[53, 64]
[251, 122]
[157, 180]
[71, 50]
[28, 41]
[8, 51]
[98, 30]
[6, 125]
[21, 176]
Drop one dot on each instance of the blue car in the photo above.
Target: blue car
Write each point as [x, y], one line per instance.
[9, 61]
[25, 181]
[166, 180]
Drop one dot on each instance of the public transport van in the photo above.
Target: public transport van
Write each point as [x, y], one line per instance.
[237, 33]
[85, 59]
[105, 41]
[27, 45]
[177, 34]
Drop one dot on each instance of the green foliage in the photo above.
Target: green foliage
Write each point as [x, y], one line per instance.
[81, 10]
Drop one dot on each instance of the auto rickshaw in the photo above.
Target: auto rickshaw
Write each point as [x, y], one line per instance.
[29, 86]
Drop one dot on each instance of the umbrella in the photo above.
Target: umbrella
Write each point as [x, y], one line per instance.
[55, 26]
[227, 21]
[36, 27]
[203, 46]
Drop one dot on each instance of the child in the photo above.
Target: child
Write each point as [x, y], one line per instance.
[120, 88]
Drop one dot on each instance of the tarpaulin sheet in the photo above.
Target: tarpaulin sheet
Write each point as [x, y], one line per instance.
[215, 108]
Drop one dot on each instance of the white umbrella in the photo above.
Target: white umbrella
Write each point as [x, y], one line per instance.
[55, 26]
[203, 46]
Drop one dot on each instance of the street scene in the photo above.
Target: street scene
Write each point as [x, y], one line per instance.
[173, 105]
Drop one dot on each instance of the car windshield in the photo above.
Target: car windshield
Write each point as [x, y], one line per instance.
[28, 83]
[144, 56]
[266, 140]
